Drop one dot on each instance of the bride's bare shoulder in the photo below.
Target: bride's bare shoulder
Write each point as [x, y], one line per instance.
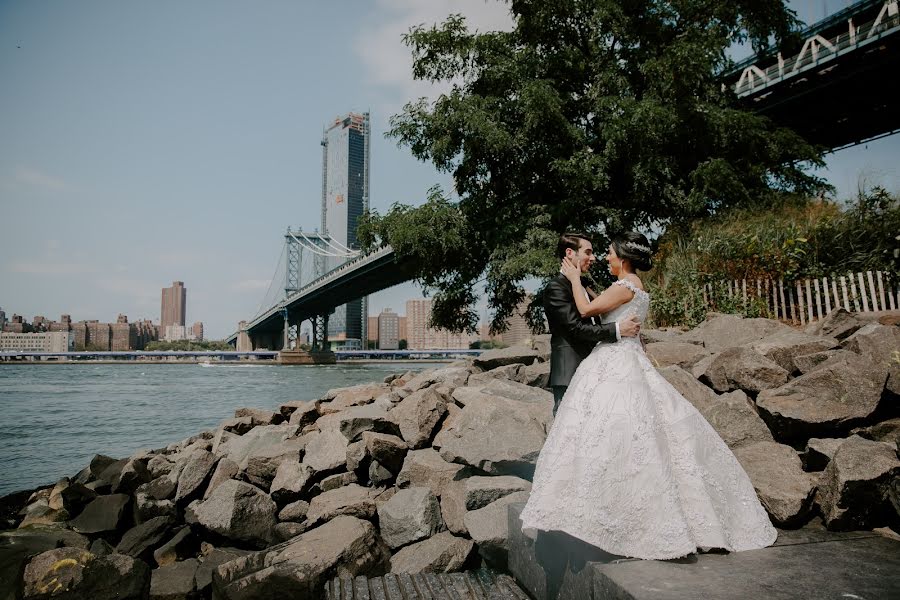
[635, 280]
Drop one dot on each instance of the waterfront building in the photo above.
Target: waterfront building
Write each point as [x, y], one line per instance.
[98, 336]
[2, 319]
[345, 196]
[518, 331]
[388, 330]
[372, 329]
[64, 324]
[197, 331]
[420, 336]
[174, 303]
[123, 335]
[50, 341]
[17, 325]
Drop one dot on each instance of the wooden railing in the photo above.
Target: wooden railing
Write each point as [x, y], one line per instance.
[803, 301]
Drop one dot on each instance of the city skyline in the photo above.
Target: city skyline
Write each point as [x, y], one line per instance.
[117, 116]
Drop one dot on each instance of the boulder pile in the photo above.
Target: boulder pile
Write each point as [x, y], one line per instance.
[415, 474]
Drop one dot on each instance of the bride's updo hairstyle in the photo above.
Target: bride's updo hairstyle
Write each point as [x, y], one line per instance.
[634, 247]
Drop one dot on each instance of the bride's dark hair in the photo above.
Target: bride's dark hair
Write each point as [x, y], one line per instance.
[634, 247]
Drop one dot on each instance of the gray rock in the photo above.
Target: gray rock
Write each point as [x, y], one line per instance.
[332, 482]
[489, 528]
[70, 496]
[288, 530]
[236, 511]
[426, 468]
[784, 489]
[357, 455]
[855, 489]
[667, 353]
[418, 415]
[194, 476]
[826, 402]
[352, 422]
[292, 479]
[99, 463]
[239, 448]
[225, 469]
[740, 368]
[300, 412]
[491, 359]
[352, 500]
[133, 473]
[326, 451]
[783, 347]
[837, 324]
[388, 450]
[238, 425]
[39, 513]
[140, 541]
[809, 362]
[104, 515]
[176, 581]
[473, 493]
[441, 553]
[665, 334]
[536, 374]
[819, 452]
[410, 515]
[886, 431]
[211, 562]
[18, 546]
[263, 463]
[508, 372]
[259, 416]
[495, 435]
[378, 474]
[294, 512]
[687, 385]
[721, 331]
[101, 547]
[879, 344]
[161, 488]
[147, 507]
[184, 544]
[300, 568]
[451, 376]
[83, 575]
[512, 390]
[358, 395]
[735, 419]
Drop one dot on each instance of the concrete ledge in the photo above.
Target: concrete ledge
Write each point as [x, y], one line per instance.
[805, 563]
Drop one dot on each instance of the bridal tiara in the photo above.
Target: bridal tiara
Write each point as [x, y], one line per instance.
[638, 247]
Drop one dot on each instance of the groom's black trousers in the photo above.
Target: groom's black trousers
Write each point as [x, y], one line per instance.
[558, 392]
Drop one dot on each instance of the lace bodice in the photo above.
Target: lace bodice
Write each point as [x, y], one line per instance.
[638, 306]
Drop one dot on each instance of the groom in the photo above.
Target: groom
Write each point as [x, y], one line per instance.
[571, 337]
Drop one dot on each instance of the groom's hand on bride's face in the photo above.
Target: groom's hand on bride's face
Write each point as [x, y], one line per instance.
[630, 327]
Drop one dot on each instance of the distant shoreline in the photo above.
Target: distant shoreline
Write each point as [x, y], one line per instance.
[348, 361]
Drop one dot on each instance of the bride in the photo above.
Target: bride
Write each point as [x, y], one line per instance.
[629, 465]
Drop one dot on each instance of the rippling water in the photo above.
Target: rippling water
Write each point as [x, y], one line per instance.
[53, 418]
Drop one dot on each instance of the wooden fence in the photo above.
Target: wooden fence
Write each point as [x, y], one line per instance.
[802, 302]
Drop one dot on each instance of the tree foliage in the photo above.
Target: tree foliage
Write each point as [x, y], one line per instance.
[592, 115]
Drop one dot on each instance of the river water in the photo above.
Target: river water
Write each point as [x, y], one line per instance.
[54, 418]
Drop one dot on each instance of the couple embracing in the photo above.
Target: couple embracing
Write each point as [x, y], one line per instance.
[629, 465]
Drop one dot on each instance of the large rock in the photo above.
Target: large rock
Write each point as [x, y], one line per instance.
[740, 368]
[784, 489]
[496, 435]
[103, 516]
[491, 359]
[292, 480]
[300, 567]
[184, 544]
[259, 416]
[536, 374]
[687, 385]
[819, 452]
[388, 450]
[886, 431]
[300, 412]
[412, 514]
[721, 331]
[239, 448]
[664, 354]
[18, 546]
[473, 493]
[879, 344]
[508, 372]
[326, 451]
[784, 346]
[855, 489]
[225, 469]
[441, 553]
[805, 363]
[236, 511]
[826, 402]
[735, 419]
[212, 561]
[263, 463]
[489, 528]
[513, 390]
[70, 496]
[140, 541]
[176, 581]
[426, 468]
[75, 573]
[353, 500]
[837, 324]
[146, 507]
[417, 416]
[450, 376]
[357, 395]
[294, 512]
[194, 476]
[352, 422]
[132, 474]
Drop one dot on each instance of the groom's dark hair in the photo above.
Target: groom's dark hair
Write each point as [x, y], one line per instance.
[569, 240]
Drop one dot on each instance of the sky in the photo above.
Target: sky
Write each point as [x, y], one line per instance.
[147, 142]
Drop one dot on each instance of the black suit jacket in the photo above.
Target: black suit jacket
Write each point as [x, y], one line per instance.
[571, 337]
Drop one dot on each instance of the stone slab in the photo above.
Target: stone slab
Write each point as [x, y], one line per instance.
[474, 585]
[805, 563]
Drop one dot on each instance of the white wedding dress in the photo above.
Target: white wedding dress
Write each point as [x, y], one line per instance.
[631, 467]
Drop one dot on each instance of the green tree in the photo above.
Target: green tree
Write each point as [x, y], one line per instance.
[593, 115]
